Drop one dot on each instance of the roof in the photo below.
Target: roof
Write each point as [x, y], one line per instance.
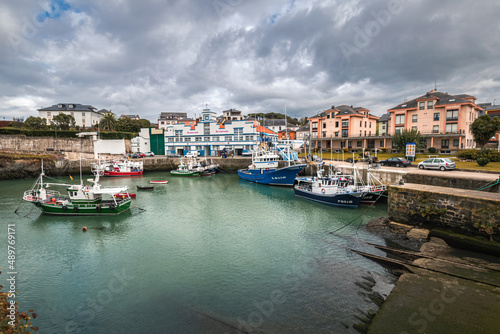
[263, 129]
[304, 128]
[274, 122]
[385, 117]
[171, 115]
[66, 107]
[233, 111]
[442, 99]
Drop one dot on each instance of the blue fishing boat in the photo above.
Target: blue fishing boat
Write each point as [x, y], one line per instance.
[264, 170]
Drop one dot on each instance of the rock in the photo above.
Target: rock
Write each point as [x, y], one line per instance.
[418, 233]
[399, 228]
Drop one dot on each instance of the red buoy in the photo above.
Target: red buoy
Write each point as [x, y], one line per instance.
[84, 229]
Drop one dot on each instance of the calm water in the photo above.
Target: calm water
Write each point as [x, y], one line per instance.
[203, 255]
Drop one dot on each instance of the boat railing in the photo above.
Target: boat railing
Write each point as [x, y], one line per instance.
[33, 195]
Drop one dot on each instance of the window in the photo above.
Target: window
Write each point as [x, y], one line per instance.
[436, 116]
[360, 123]
[327, 116]
[414, 118]
[83, 114]
[324, 125]
[359, 143]
[336, 124]
[430, 104]
[216, 138]
[452, 115]
[349, 144]
[381, 143]
[336, 134]
[421, 105]
[435, 129]
[170, 140]
[206, 129]
[399, 129]
[455, 142]
[414, 128]
[365, 124]
[228, 138]
[315, 125]
[197, 139]
[453, 128]
[207, 138]
[48, 113]
[345, 123]
[345, 133]
[445, 143]
[365, 133]
[187, 139]
[324, 133]
[370, 125]
[238, 134]
[178, 136]
[400, 119]
[383, 127]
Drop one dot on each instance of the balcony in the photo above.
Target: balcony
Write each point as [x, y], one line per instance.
[452, 119]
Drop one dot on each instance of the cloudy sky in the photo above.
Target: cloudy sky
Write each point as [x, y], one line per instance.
[145, 57]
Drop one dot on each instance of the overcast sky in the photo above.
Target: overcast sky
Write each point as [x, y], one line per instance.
[150, 56]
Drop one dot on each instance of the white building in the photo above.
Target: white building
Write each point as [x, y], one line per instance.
[170, 118]
[85, 116]
[208, 137]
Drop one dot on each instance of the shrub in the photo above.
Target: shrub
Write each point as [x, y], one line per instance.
[432, 150]
[468, 154]
[483, 161]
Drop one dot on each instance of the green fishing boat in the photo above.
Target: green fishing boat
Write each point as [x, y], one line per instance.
[187, 170]
[81, 200]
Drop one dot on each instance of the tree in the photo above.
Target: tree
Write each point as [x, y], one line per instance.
[108, 122]
[407, 136]
[483, 128]
[145, 123]
[125, 124]
[35, 123]
[63, 122]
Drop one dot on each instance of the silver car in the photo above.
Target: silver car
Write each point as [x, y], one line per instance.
[437, 163]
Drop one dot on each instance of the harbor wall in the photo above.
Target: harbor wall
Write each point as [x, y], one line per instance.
[465, 211]
[451, 181]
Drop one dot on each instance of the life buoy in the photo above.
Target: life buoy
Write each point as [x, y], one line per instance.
[75, 208]
[112, 207]
[323, 190]
[38, 204]
[64, 207]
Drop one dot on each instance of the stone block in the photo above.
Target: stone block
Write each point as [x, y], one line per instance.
[418, 233]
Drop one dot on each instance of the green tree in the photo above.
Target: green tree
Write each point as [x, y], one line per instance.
[108, 122]
[63, 122]
[145, 123]
[407, 136]
[483, 128]
[125, 124]
[35, 123]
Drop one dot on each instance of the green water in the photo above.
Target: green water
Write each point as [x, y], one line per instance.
[198, 255]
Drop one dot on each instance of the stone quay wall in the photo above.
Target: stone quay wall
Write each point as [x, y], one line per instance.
[451, 181]
[466, 211]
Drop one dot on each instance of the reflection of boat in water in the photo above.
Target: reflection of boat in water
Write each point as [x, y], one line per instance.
[82, 200]
[119, 168]
[264, 170]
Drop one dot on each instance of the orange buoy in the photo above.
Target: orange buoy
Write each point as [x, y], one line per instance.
[53, 199]
[84, 229]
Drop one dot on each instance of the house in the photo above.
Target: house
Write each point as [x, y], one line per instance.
[133, 117]
[275, 125]
[169, 118]
[303, 132]
[493, 111]
[232, 115]
[210, 134]
[287, 134]
[444, 119]
[86, 116]
[383, 124]
[344, 127]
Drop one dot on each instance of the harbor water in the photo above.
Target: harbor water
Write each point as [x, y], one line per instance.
[197, 255]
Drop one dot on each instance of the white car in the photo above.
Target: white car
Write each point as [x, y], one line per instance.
[191, 154]
[149, 154]
[437, 163]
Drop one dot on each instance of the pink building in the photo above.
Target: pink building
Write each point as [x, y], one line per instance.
[442, 118]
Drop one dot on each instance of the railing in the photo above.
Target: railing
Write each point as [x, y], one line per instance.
[452, 118]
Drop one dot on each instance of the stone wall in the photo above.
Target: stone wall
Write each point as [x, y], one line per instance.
[465, 211]
[23, 144]
[451, 181]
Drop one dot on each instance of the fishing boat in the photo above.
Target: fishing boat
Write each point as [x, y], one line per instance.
[264, 169]
[158, 181]
[81, 200]
[337, 191]
[188, 169]
[119, 167]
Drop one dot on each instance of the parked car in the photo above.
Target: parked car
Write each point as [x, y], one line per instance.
[172, 155]
[191, 154]
[398, 162]
[138, 155]
[437, 163]
[149, 154]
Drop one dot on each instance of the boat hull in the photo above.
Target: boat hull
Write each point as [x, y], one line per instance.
[279, 177]
[188, 174]
[345, 200]
[85, 209]
[371, 198]
[113, 173]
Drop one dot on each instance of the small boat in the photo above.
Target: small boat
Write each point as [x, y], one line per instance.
[264, 170]
[118, 168]
[145, 187]
[81, 199]
[159, 181]
[125, 195]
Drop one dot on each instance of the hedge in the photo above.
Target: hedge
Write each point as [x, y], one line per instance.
[63, 133]
[491, 155]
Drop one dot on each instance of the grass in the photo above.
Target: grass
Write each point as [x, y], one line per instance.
[472, 165]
